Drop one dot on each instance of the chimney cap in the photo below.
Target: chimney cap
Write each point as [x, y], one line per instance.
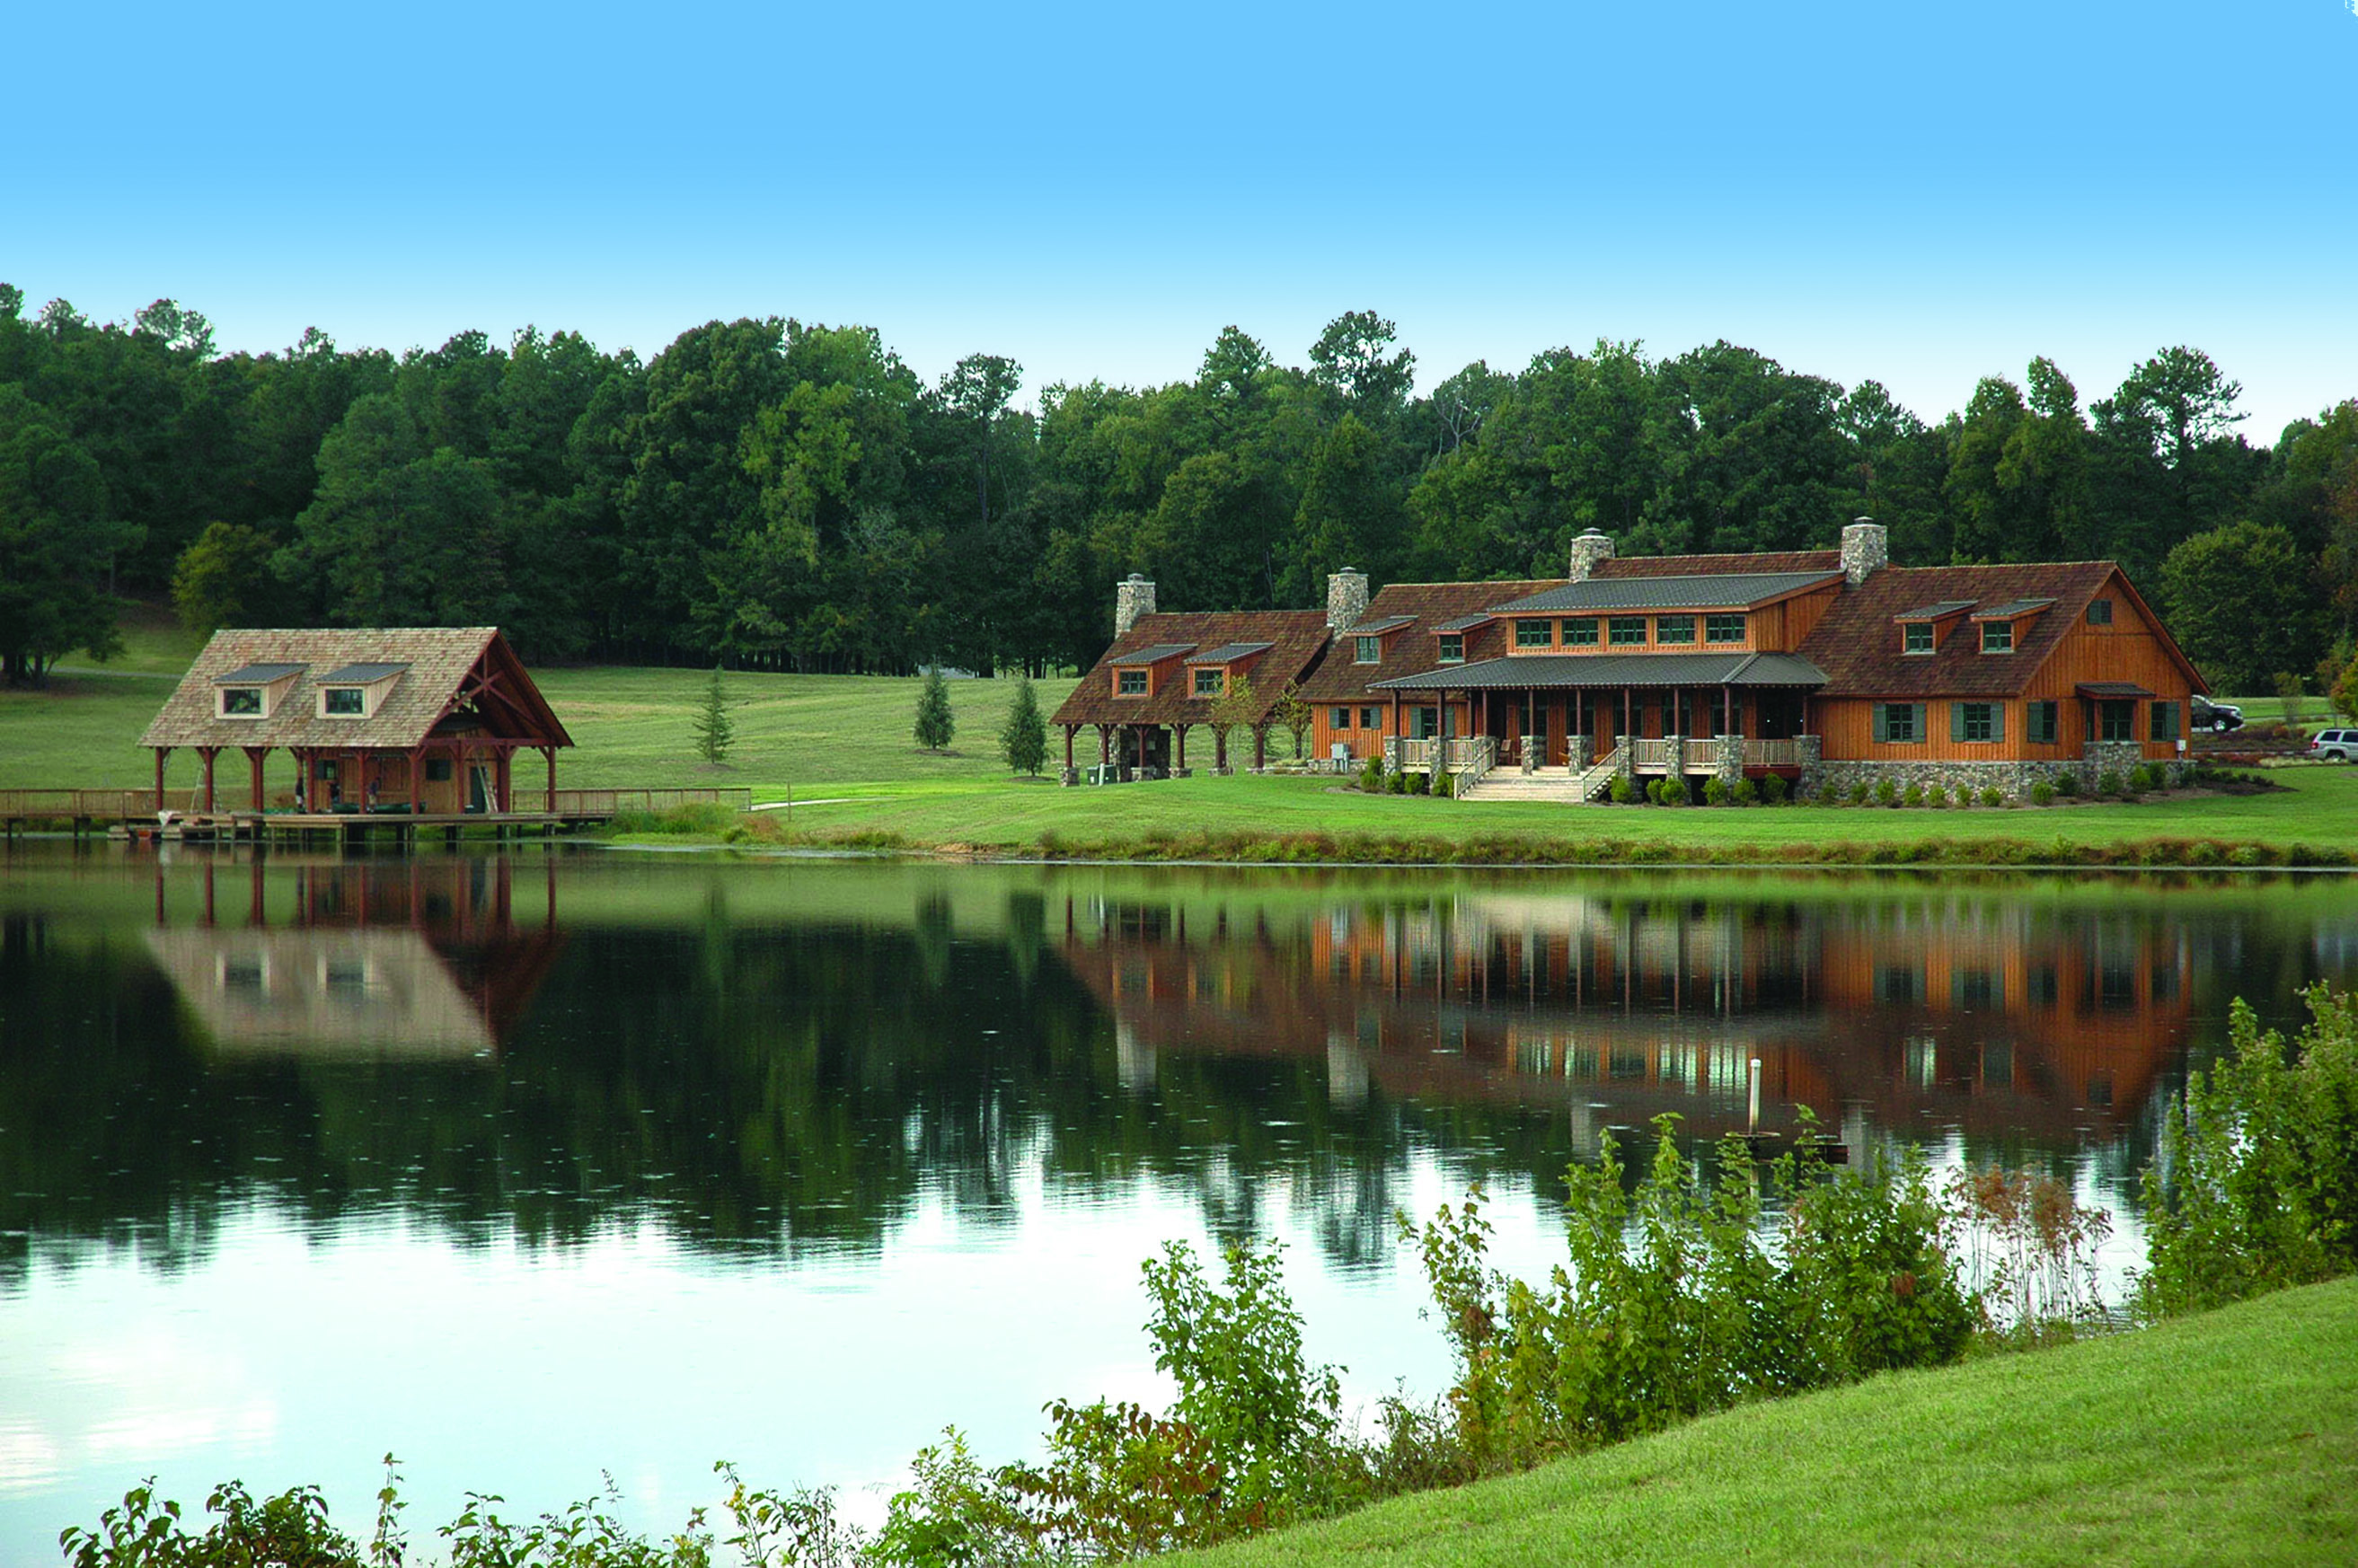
[1340, 571]
[1138, 577]
[1855, 521]
[1592, 533]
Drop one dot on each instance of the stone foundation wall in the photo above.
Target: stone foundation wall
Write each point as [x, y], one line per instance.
[2013, 780]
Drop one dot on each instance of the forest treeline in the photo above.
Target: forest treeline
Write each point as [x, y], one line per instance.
[780, 495]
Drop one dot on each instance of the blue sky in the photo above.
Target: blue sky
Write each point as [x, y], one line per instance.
[1922, 194]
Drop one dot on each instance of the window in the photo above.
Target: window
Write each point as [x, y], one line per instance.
[2044, 721]
[1452, 647]
[1900, 723]
[1976, 722]
[1916, 637]
[1211, 681]
[1133, 684]
[1627, 630]
[437, 770]
[1370, 719]
[1533, 634]
[1997, 636]
[2100, 612]
[1723, 628]
[2165, 722]
[1580, 634]
[2116, 720]
[1674, 628]
[343, 702]
[1338, 718]
[240, 702]
[1367, 650]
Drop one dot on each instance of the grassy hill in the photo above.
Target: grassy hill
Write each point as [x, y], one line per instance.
[2226, 1437]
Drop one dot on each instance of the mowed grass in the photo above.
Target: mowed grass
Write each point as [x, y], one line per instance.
[2230, 1437]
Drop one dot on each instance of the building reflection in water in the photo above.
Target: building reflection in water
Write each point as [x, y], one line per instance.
[414, 959]
[1937, 1009]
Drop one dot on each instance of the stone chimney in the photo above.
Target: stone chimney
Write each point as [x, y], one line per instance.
[1132, 598]
[1865, 549]
[1586, 551]
[1346, 598]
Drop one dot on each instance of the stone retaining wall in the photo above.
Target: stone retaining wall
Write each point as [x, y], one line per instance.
[2013, 780]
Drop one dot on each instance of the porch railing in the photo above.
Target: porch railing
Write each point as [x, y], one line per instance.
[1471, 757]
[1415, 756]
[607, 802]
[1650, 756]
[1772, 753]
[59, 805]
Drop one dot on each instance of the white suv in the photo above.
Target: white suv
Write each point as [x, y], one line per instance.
[2335, 746]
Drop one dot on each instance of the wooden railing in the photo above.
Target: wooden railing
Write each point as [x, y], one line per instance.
[70, 805]
[1772, 753]
[1650, 756]
[1470, 758]
[607, 802]
[1415, 756]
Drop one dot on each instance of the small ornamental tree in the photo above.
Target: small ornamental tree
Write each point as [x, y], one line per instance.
[935, 725]
[1236, 707]
[714, 728]
[1294, 715]
[1023, 738]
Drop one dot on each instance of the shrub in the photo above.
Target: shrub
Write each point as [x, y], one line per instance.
[1938, 798]
[1858, 792]
[1887, 794]
[2108, 783]
[1622, 791]
[1713, 792]
[1654, 791]
[1443, 785]
[2042, 794]
[1773, 789]
[1676, 791]
[1746, 791]
[2255, 1187]
[1912, 796]
[1419, 783]
[1371, 777]
[1992, 795]
[1396, 784]
[2067, 783]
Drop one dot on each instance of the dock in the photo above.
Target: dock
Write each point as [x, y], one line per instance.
[133, 816]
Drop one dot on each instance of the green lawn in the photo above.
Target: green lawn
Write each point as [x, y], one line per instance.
[2225, 1438]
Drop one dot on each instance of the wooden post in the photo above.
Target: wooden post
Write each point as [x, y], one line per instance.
[254, 756]
[1179, 753]
[503, 781]
[206, 755]
[1727, 710]
[417, 782]
[1260, 748]
[161, 752]
[1069, 731]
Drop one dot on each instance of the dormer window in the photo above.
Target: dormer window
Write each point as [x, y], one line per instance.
[1452, 647]
[1534, 633]
[1723, 628]
[253, 691]
[1672, 629]
[1997, 636]
[240, 702]
[1130, 683]
[342, 702]
[1367, 650]
[1916, 637]
[1211, 681]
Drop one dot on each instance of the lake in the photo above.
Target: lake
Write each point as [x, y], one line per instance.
[540, 1168]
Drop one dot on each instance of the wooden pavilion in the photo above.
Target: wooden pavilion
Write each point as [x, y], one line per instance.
[407, 721]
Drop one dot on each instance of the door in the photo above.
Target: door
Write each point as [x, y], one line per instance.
[479, 786]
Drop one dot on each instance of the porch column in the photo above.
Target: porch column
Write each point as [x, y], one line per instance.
[1105, 745]
[1260, 748]
[1220, 748]
[1727, 710]
[1069, 729]
[417, 781]
[503, 779]
[206, 754]
[253, 757]
[161, 752]
[550, 752]
[1179, 747]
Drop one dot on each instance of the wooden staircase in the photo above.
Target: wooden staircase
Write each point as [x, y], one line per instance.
[1561, 786]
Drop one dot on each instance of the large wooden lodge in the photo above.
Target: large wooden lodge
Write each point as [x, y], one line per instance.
[1825, 667]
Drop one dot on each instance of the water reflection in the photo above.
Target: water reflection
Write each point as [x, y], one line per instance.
[1957, 1011]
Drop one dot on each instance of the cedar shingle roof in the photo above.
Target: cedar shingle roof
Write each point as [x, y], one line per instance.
[1416, 609]
[1857, 644]
[434, 662]
[1696, 565]
[1295, 639]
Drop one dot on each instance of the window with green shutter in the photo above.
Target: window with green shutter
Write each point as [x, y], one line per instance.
[1916, 637]
[1674, 628]
[2044, 722]
[2165, 721]
[1581, 633]
[1976, 722]
[1723, 628]
[1338, 718]
[1900, 723]
[1370, 719]
[1997, 636]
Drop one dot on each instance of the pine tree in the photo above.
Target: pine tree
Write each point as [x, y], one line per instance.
[714, 728]
[1023, 738]
[935, 724]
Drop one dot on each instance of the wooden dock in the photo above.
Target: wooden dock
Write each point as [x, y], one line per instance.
[133, 816]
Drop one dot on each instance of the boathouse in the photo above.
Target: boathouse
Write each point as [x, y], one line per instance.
[409, 720]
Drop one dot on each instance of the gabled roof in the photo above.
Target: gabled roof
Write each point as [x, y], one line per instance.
[1689, 591]
[1154, 655]
[1519, 670]
[1858, 645]
[433, 664]
[1295, 639]
[1427, 606]
[1939, 612]
[1229, 653]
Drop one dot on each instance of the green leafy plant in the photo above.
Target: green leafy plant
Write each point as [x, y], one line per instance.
[2042, 794]
[1746, 792]
[1886, 793]
[714, 729]
[1023, 738]
[1912, 796]
[1992, 795]
[1858, 792]
[935, 726]
[1715, 793]
[1622, 791]
[1774, 789]
[1371, 776]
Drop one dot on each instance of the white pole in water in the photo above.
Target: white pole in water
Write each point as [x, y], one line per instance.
[1753, 1125]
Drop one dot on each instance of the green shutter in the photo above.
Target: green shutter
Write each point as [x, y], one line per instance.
[1922, 728]
[1956, 721]
[1997, 720]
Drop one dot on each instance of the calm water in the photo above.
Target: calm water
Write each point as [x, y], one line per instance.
[530, 1169]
